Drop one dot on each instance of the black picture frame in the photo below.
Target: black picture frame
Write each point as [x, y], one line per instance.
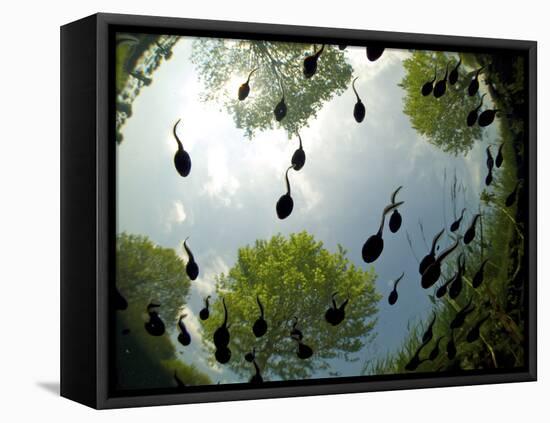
[88, 206]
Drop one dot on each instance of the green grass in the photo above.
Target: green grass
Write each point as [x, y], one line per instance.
[500, 239]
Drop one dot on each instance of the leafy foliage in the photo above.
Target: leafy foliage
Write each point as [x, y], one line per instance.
[279, 67]
[147, 272]
[137, 58]
[293, 277]
[441, 120]
[501, 241]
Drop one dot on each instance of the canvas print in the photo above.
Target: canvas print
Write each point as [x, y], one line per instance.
[289, 212]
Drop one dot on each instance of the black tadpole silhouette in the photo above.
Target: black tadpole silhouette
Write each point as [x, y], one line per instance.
[474, 83]
[441, 85]
[260, 325]
[433, 271]
[204, 314]
[392, 299]
[182, 160]
[296, 333]
[244, 89]
[511, 199]
[310, 63]
[395, 218]
[461, 315]
[342, 47]
[434, 353]
[455, 287]
[221, 339]
[453, 76]
[304, 351]
[280, 109]
[257, 377]
[374, 52]
[373, 246]
[451, 347]
[183, 338]
[251, 358]
[456, 224]
[428, 87]
[477, 280]
[336, 314]
[299, 157]
[120, 302]
[223, 355]
[155, 326]
[430, 257]
[442, 290]
[359, 108]
[471, 119]
[500, 158]
[470, 233]
[429, 334]
[473, 334]
[487, 117]
[489, 178]
[285, 204]
[192, 269]
[415, 361]
[221, 335]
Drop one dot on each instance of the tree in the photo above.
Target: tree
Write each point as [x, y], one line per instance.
[293, 276]
[146, 272]
[441, 120]
[279, 65]
[137, 58]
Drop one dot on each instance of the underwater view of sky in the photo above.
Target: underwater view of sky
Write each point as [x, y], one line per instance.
[228, 200]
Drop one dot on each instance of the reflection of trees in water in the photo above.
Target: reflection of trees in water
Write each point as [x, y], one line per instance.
[137, 57]
[280, 71]
[293, 276]
[146, 272]
[441, 120]
[149, 273]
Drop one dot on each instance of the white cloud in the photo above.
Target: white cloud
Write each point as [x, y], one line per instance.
[179, 212]
[307, 195]
[222, 184]
[176, 215]
[206, 283]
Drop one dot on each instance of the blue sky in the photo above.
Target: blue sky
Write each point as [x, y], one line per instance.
[229, 198]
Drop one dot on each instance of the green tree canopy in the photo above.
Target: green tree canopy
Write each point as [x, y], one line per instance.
[441, 120]
[280, 66]
[146, 272]
[293, 276]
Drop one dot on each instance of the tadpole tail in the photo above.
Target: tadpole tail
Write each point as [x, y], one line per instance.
[260, 305]
[188, 250]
